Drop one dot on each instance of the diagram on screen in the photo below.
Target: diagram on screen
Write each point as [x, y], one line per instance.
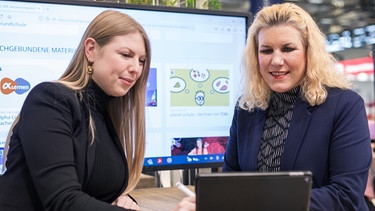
[199, 87]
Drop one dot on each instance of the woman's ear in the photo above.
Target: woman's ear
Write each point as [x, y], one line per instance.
[90, 49]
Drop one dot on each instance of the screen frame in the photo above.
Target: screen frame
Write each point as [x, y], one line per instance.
[114, 5]
[144, 7]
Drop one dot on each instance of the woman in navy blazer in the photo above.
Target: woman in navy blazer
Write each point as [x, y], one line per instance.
[298, 113]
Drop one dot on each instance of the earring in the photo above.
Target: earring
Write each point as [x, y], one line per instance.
[89, 69]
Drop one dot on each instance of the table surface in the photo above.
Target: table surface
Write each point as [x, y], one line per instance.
[158, 199]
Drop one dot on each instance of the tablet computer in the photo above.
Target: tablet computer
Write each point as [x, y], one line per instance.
[260, 191]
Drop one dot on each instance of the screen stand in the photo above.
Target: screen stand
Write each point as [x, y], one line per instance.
[188, 176]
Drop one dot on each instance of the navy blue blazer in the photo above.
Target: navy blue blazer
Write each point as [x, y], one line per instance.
[331, 140]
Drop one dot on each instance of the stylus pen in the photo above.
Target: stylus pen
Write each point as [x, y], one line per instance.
[184, 189]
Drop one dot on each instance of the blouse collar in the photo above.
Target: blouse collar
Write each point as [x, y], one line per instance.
[96, 97]
[288, 97]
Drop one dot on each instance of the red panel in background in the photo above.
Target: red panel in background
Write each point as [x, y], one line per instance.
[357, 66]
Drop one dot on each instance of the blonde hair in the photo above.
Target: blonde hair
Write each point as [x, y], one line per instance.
[127, 112]
[321, 72]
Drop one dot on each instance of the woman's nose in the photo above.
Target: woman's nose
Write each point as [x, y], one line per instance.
[135, 66]
[277, 60]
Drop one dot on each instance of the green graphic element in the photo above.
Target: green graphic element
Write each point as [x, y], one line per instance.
[193, 87]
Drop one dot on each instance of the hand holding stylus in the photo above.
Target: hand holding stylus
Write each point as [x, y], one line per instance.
[184, 189]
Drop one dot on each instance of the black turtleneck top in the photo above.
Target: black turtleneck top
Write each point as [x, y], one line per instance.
[109, 171]
[275, 129]
[52, 162]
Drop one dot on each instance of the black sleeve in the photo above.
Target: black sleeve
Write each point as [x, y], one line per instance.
[47, 122]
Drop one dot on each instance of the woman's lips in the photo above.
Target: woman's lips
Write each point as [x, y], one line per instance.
[278, 74]
[127, 81]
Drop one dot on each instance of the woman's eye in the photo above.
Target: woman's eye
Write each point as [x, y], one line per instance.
[287, 49]
[142, 62]
[266, 51]
[126, 55]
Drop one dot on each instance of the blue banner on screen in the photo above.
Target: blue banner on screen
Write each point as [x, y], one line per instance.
[182, 160]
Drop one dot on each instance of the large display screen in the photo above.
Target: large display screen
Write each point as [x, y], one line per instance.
[193, 84]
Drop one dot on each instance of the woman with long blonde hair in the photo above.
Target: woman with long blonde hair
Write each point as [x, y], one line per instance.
[79, 142]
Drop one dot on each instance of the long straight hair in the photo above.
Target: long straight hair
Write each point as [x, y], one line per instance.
[127, 112]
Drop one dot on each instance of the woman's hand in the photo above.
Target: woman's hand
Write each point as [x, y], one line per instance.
[186, 204]
[126, 202]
